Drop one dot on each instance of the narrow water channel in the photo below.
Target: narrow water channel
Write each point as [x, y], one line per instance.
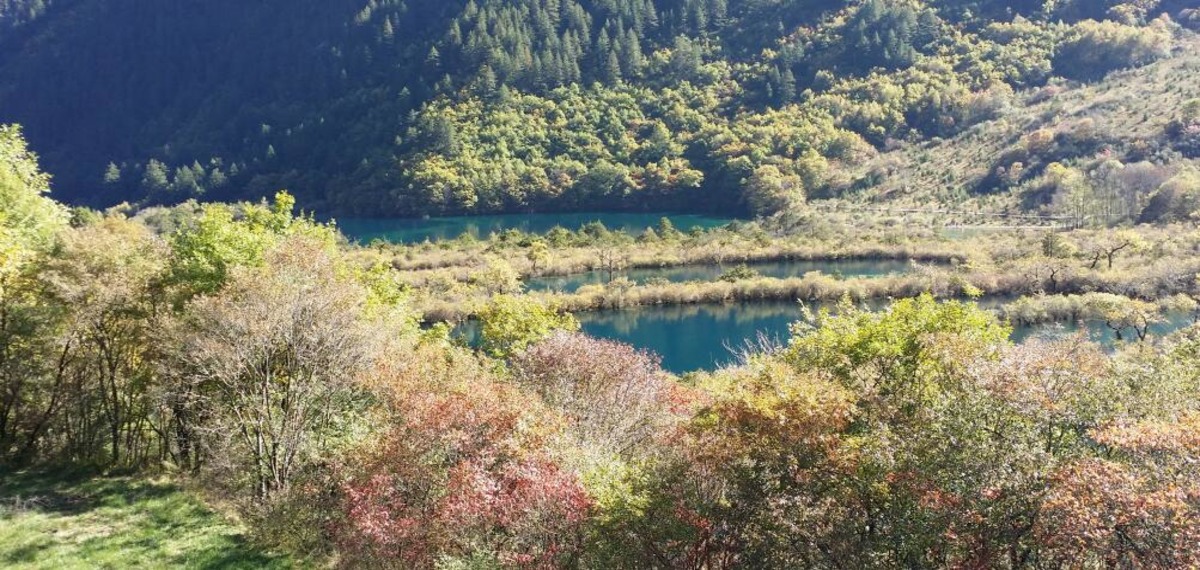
[416, 230]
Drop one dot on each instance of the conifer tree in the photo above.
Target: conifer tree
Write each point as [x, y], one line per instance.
[155, 178]
[112, 174]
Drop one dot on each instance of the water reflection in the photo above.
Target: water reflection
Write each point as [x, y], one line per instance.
[700, 337]
[414, 230]
[705, 337]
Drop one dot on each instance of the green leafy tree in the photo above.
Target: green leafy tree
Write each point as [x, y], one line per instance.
[29, 220]
[107, 276]
[497, 276]
[891, 355]
[1093, 49]
[270, 362]
[769, 191]
[508, 324]
[538, 254]
[206, 251]
[31, 225]
[27, 212]
[112, 174]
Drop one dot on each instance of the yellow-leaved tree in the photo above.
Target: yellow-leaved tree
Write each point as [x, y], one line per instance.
[29, 221]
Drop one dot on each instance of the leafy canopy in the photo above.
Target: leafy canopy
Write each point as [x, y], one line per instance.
[511, 323]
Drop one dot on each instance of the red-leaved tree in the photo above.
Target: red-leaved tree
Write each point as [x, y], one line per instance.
[1139, 508]
[464, 474]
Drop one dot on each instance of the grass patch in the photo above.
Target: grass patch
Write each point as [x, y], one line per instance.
[55, 522]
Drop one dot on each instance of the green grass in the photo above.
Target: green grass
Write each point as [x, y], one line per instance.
[48, 521]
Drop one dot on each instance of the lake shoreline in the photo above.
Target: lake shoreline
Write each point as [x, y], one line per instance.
[786, 254]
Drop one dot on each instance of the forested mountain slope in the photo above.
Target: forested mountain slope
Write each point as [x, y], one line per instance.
[423, 107]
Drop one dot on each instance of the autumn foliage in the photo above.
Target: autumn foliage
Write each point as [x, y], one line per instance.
[1106, 514]
[251, 354]
[614, 397]
[463, 472]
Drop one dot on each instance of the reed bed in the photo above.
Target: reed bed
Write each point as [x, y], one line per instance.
[1164, 284]
[1010, 265]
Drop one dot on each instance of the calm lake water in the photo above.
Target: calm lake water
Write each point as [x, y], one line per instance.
[414, 230]
[779, 269]
[704, 337]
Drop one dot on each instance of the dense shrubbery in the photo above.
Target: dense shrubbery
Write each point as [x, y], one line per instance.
[575, 149]
[1184, 132]
[1092, 49]
[285, 372]
[919, 437]
[461, 469]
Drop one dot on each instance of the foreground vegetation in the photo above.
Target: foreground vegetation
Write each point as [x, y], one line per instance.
[284, 375]
[51, 521]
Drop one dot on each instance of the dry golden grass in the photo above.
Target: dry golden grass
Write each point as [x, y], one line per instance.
[1127, 106]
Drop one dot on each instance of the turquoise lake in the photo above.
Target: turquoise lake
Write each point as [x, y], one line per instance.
[415, 230]
[705, 337]
[778, 269]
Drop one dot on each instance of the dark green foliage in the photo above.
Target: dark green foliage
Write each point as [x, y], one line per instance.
[1190, 18]
[738, 273]
[966, 9]
[351, 104]
[17, 13]
[191, 81]
[1184, 133]
[884, 33]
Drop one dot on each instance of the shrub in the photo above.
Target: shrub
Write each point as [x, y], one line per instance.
[614, 397]
[461, 473]
[509, 324]
[1092, 49]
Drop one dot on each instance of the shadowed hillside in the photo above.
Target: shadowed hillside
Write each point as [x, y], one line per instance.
[406, 107]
